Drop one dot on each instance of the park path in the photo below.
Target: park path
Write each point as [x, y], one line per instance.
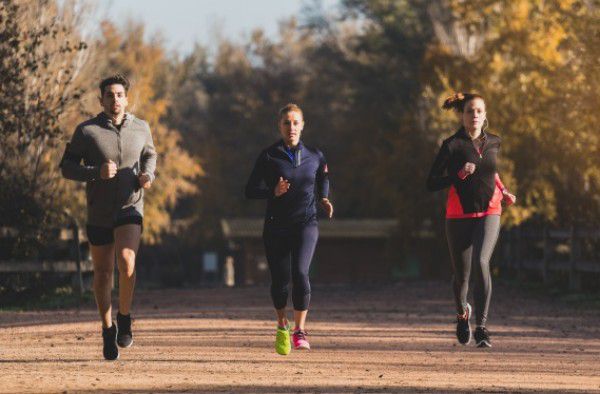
[375, 339]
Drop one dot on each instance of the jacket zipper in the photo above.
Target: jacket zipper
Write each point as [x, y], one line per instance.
[119, 159]
[480, 150]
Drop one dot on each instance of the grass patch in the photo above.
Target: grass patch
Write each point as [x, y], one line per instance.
[557, 291]
[46, 299]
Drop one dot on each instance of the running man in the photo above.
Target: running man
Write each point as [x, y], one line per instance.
[466, 163]
[293, 178]
[119, 160]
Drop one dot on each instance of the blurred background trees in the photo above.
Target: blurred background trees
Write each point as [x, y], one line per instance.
[370, 78]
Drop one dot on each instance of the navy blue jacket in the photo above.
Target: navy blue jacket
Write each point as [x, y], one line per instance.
[308, 177]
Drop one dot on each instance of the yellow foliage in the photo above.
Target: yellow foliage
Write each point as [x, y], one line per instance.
[545, 44]
[517, 14]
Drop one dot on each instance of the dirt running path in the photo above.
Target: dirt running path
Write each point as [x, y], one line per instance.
[392, 339]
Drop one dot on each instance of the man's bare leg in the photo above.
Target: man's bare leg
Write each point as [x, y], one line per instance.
[127, 242]
[103, 258]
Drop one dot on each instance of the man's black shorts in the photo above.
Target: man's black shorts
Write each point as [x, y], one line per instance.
[99, 236]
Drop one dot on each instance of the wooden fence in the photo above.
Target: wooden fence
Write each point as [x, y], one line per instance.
[573, 251]
[77, 266]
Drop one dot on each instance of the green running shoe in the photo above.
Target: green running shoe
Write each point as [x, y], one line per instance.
[283, 345]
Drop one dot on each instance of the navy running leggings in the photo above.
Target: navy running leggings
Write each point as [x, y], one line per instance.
[289, 252]
[471, 243]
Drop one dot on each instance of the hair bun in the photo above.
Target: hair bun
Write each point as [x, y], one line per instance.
[453, 101]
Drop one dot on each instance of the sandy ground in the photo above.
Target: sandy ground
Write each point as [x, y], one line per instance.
[397, 338]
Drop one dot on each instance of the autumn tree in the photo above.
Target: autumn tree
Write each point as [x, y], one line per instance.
[41, 60]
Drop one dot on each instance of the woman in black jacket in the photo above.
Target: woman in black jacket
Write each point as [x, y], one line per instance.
[467, 165]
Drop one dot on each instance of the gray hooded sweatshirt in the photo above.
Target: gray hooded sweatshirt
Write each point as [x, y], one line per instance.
[97, 141]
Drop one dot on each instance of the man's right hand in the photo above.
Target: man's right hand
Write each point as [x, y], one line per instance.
[108, 170]
[282, 187]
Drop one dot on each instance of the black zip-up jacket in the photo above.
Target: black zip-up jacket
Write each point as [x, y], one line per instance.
[308, 177]
[475, 191]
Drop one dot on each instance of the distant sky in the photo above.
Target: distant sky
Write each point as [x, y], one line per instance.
[183, 22]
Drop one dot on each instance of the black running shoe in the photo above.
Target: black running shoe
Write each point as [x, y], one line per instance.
[463, 328]
[110, 349]
[482, 337]
[125, 337]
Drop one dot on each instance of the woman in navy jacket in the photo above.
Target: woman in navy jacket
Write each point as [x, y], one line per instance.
[293, 178]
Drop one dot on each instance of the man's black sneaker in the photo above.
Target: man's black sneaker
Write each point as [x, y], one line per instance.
[124, 337]
[482, 337]
[463, 328]
[110, 349]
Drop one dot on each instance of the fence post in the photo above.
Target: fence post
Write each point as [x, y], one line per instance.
[505, 260]
[75, 229]
[546, 256]
[574, 275]
[518, 253]
[229, 272]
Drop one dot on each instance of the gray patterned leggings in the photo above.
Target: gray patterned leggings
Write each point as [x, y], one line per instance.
[471, 243]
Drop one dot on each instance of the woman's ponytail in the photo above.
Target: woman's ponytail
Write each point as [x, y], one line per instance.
[458, 100]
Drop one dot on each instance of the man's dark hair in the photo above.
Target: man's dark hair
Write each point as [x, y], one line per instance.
[117, 79]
